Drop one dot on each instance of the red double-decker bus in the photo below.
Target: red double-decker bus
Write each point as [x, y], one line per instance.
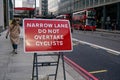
[84, 20]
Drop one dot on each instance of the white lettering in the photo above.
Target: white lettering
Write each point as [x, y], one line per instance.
[49, 43]
[50, 37]
[42, 31]
[53, 31]
[61, 25]
[41, 25]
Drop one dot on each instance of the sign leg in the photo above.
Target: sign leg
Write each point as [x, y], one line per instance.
[57, 67]
[35, 67]
[63, 64]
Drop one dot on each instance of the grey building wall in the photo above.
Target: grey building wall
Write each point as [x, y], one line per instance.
[1, 16]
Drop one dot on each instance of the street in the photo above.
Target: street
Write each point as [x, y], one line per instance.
[98, 53]
[108, 40]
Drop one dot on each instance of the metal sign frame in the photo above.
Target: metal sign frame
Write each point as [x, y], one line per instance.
[37, 64]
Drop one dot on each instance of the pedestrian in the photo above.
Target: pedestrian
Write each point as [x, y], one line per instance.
[14, 32]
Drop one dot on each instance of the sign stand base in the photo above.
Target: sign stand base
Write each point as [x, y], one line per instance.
[37, 64]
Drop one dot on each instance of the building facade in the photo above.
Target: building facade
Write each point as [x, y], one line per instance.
[2, 16]
[53, 7]
[104, 9]
[43, 10]
[6, 12]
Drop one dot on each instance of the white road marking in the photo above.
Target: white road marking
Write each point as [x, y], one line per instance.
[94, 46]
[113, 53]
[75, 43]
[97, 46]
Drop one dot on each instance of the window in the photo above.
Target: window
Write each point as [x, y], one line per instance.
[83, 3]
[91, 2]
[87, 3]
[90, 22]
[101, 1]
[96, 2]
[107, 0]
[76, 5]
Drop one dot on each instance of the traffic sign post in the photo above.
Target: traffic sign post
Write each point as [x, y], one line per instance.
[47, 35]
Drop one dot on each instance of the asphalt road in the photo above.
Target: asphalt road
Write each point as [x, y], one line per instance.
[108, 40]
[103, 64]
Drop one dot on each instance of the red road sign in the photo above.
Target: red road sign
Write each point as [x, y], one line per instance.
[47, 35]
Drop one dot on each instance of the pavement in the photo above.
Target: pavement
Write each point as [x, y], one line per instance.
[19, 66]
[109, 31]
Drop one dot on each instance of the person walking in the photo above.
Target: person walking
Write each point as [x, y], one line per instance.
[14, 32]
